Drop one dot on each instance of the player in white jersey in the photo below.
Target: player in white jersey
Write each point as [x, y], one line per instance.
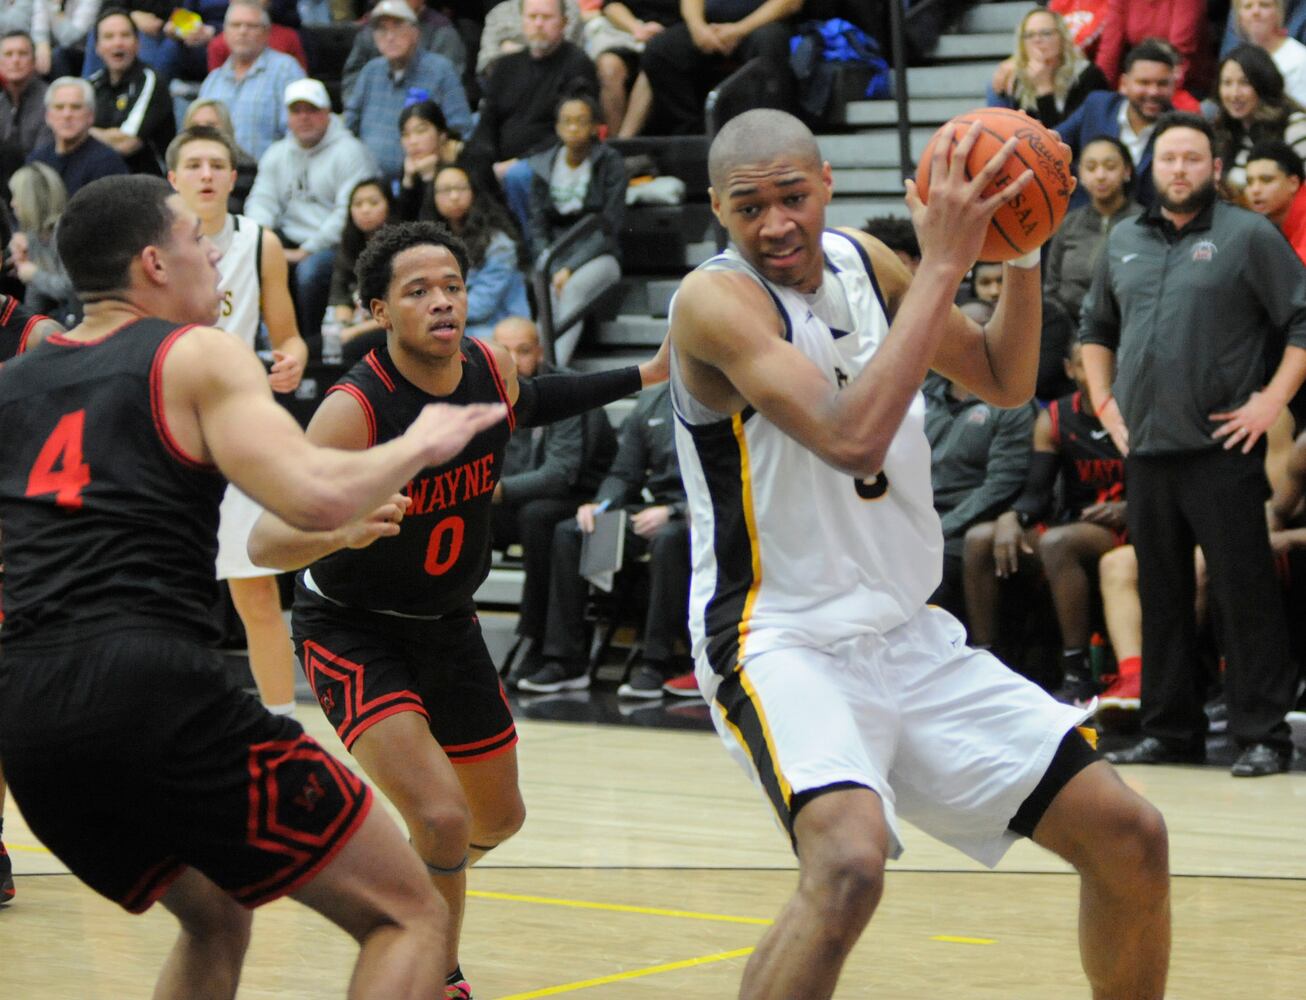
[852, 703]
[254, 286]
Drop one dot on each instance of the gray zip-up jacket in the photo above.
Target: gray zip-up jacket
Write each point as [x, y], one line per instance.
[1197, 318]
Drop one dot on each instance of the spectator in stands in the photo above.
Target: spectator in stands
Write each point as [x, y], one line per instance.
[1253, 108]
[281, 38]
[16, 15]
[496, 286]
[615, 41]
[1260, 22]
[427, 145]
[645, 464]
[302, 194]
[403, 72]
[1188, 404]
[22, 95]
[59, 32]
[76, 156]
[1054, 338]
[547, 471]
[1275, 190]
[133, 112]
[520, 97]
[979, 458]
[252, 81]
[1146, 92]
[578, 178]
[436, 33]
[899, 235]
[38, 199]
[370, 208]
[214, 114]
[1047, 76]
[503, 33]
[686, 60]
[1182, 23]
[1065, 539]
[1106, 173]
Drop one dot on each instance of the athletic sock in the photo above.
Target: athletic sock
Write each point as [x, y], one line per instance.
[1130, 666]
[1075, 663]
[455, 977]
[286, 709]
[2, 828]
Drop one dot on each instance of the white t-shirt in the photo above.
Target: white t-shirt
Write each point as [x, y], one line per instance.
[1291, 60]
[568, 185]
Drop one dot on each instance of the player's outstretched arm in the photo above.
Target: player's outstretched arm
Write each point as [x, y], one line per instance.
[219, 409]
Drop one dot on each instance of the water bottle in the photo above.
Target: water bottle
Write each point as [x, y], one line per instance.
[331, 346]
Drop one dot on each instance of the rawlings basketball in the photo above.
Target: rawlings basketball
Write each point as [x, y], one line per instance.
[1028, 220]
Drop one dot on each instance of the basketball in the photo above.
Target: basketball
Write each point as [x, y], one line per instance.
[1029, 219]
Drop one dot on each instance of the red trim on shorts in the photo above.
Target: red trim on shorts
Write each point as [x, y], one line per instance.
[156, 402]
[477, 744]
[415, 706]
[369, 414]
[494, 752]
[151, 886]
[9, 311]
[498, 382]
[374, 363]
[1054, 415]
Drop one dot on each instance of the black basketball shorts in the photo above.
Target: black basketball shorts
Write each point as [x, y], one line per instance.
[365, 666]
[134, 756]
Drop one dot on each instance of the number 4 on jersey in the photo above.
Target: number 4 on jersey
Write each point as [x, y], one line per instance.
[59, 468]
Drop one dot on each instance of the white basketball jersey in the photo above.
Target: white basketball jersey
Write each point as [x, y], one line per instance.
[241, 243]
[787, 550]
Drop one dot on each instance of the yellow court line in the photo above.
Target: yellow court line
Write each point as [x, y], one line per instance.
[949, 939]
[581, 904]
[652, 970]
[30, 849]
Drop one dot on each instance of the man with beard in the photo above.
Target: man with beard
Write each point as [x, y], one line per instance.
[1147, 88]
[1180, 385]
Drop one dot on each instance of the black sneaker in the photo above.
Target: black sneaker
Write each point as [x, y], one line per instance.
[1077, 691]
[556, 676]
[6, 875]
[645, 682]
[526, 662]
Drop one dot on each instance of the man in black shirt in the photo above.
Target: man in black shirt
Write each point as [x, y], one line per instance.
[133, 112]
[131, 752]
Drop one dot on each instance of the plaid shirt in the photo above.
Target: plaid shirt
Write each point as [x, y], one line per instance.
[255, 103]
[372, 110]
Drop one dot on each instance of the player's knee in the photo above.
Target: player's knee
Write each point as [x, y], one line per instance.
[1055, 548]
[495, 827]
[849, 879]
[1128, 845]
[979, 543]
[1117, 569]
[440, 832]
[222, 923]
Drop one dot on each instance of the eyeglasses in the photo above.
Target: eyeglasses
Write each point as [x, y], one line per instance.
[453, 189]
[1042, 35]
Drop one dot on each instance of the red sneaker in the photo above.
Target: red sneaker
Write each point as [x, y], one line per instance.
[1123, 695]
[684, 686]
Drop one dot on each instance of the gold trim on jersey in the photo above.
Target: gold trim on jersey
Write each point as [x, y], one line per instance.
[750, 525]
[739, 697]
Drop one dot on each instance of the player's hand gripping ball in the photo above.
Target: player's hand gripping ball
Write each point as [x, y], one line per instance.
[1029, 219]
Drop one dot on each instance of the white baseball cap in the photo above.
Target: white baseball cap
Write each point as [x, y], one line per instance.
[309, 91]
[392, 8]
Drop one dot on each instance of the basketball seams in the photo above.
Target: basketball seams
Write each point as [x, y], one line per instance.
[1051, 213]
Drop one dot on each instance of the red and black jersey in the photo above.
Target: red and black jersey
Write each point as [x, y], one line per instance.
[16, 324]
[442, 552]
[106, 520]
[1091, 467]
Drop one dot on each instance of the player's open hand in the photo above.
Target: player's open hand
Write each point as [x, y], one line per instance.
[381, 523]
[286, 371]
[444, 430]
[1008, 543]
[952, 227]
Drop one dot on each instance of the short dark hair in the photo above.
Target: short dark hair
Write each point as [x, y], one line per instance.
[375, 265]
[19, 33]
[199, 133]
[428, 111]
[1282, 154]
[1149, 50]
[896, 233]
[1126, 156]
[1183, 119]
[109, 12]
[106, 224]
[585, 97]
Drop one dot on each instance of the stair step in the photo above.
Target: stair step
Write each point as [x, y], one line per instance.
[646, 296]
[986, 45]
[955, 80]
[921, 110]
[868, 150]
[875, 180]
[632, 331]
[603, 361]
[986, 17]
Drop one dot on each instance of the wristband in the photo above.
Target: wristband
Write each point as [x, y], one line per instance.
[1029, 260]
[1105, 403]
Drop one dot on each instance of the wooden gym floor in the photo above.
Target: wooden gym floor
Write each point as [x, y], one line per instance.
[649, 866]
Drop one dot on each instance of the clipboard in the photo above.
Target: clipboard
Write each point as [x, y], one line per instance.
[602, 550]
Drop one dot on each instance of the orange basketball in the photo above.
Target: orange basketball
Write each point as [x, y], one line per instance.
[1028, 220]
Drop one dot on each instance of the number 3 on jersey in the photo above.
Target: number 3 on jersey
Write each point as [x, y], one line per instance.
[59, 468]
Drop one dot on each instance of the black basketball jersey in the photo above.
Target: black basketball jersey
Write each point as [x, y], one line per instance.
[1091, 467]
[106, 520]
[442, 552]
[16, 323]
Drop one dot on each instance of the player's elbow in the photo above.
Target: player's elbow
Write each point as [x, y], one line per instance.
[859, 459]
[1009, 395]
[322, 508]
